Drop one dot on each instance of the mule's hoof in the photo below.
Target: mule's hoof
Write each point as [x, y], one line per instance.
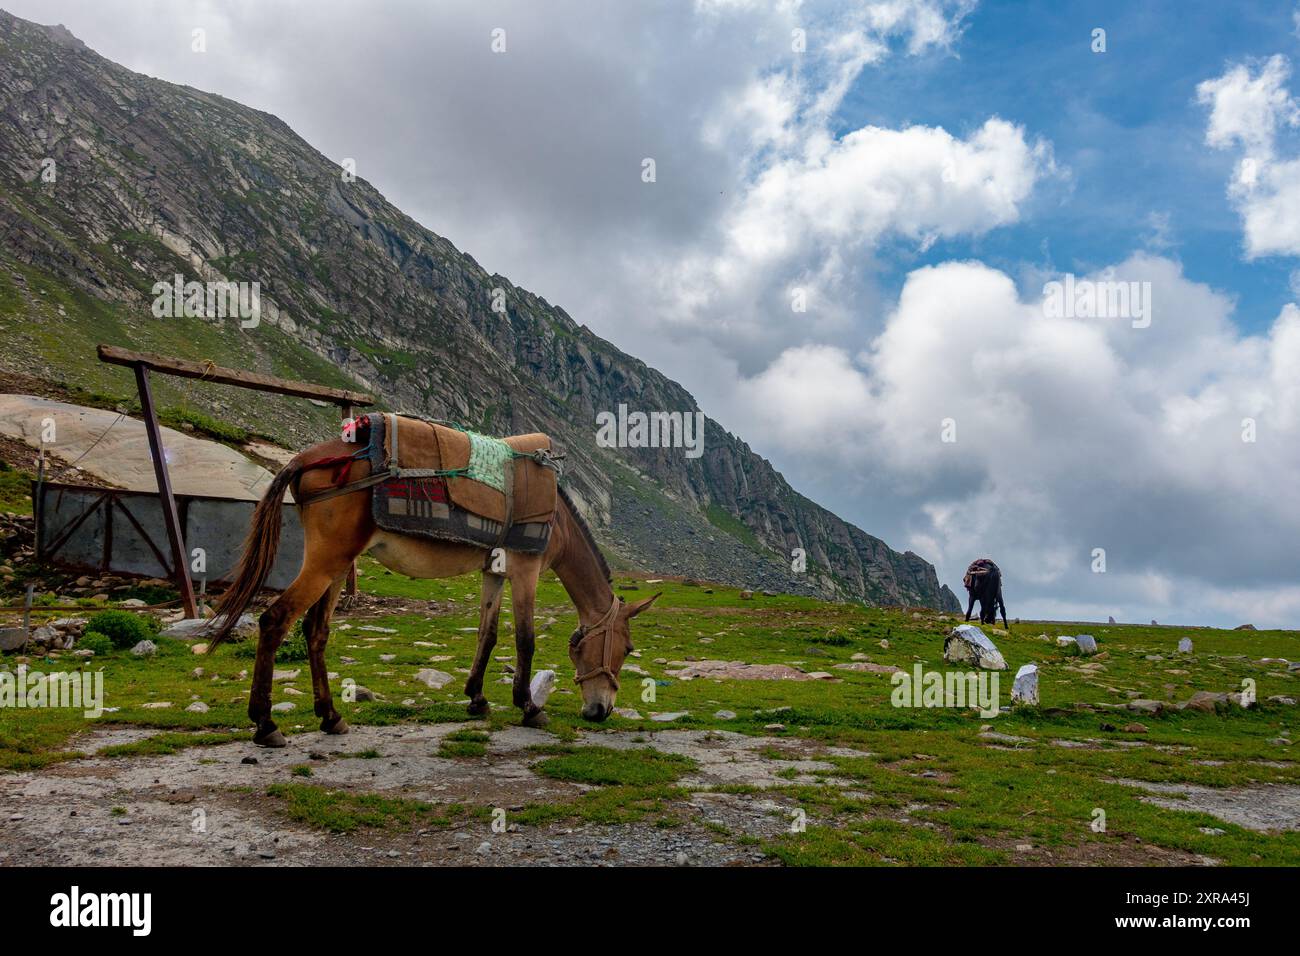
[478, 707]
[272, 739]
[340, 726]
[538, 719]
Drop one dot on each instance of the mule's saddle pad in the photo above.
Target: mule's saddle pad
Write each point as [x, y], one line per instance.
[484, 485]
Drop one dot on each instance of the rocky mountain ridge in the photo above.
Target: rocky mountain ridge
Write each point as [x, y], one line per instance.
[111, 181]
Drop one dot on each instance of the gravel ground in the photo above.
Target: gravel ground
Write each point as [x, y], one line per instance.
[205, 805]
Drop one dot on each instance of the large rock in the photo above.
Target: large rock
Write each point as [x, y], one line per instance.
[12, 638]
[1086, 643]
[966, 644]
[145, 649]
[197, 628]
[1025, 689]
[1185, 646]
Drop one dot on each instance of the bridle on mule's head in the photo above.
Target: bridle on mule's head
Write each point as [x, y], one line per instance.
[585, 633]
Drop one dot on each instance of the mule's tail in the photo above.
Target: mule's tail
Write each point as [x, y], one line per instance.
[258, 555]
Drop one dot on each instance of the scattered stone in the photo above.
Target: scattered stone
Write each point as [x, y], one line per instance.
[1280, 699]
[193, 628]
[669, 717]
[431, 678]
[483, 849]
[284, 706]
[1065, 640]
[1135, 728]
[737, 670]
[731, 715]
[12, 638]
[1024, 690]
[541, 687]
[1185, 646]
[966, 644]
[364, 694]
[1144, 706]
[145, 649]
[285, 675]
[1004, 738]
[157, 705]
[1244, 627]
[1087, 644]
[251, 760]
[1281, 742]
[869, 667]
[627, 713]
[198, 707]
[747, 595]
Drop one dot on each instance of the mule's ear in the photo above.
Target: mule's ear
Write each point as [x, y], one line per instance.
[634, 609]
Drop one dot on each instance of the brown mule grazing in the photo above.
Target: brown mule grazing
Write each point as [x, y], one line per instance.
[338, 529]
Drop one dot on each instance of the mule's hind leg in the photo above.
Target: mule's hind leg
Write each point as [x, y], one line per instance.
[273, 625]
[316, 625]
[488, 612]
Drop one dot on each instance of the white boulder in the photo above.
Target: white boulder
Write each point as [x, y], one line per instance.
[1025, 688]
[966, 644]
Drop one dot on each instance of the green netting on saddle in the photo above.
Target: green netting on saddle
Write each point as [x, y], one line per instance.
[488, 458]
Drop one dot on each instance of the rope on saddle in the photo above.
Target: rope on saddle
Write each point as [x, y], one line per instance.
[978, 569]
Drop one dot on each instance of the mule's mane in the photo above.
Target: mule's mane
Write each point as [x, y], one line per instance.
[581, 522]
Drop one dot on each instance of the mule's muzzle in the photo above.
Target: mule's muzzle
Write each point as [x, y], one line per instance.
[596, 711]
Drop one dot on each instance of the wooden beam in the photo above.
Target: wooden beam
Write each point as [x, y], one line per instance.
[171, 519]
[230, 376]
[350, 587]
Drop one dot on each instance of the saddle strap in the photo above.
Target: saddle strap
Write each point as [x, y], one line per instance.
[377, 478]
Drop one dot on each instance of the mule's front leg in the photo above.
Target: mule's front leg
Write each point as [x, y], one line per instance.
[523, 594]
[489, 611]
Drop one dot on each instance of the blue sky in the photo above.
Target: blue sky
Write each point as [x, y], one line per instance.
[1125, 124]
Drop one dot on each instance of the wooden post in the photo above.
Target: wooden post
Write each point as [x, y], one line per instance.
[350, 588]
[171, 519]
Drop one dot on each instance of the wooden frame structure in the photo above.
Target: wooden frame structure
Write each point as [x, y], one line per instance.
[142, 363]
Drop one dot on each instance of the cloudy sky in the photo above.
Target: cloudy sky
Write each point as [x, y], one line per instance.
[855, 210]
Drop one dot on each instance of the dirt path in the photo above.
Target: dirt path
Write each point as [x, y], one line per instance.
[143, 809]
